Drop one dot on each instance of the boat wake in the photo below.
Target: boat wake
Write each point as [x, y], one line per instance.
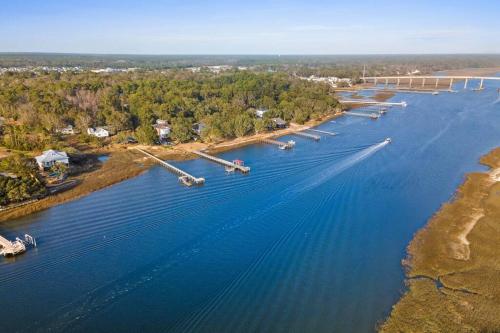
[318, 179]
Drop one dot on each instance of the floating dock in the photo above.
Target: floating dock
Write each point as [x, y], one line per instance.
[281, 145]
[183, 175]
[322, 132]
[359, 114]
[307, 135]
[236, 166]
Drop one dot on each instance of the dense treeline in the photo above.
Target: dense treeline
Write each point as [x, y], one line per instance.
[335, 62]
[35, 106]
[19, 180]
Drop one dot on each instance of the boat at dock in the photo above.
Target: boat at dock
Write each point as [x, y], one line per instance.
[13, 248]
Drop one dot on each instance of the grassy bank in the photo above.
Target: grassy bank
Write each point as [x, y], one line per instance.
[453, 264]
[121, 165]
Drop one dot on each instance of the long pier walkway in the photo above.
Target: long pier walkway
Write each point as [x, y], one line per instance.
[307, 135]
[359, 114]
[280, 144]
[170, 167]
[364, 102]
[322, 132]
[236, 166]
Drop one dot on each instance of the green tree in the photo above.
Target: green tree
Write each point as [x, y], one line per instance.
[146, 134]
[182, 129]
[243, 125]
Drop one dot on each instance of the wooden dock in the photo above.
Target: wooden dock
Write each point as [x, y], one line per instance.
[8, 248]
[280, 144]
[175, 170]
[241, 168]
[307, 135]
[322, 132]
[365, 102]
[359, 114]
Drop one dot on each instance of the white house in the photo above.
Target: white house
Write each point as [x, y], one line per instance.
[50, 158]
[260, 112]
[163, 131]
[98, 132]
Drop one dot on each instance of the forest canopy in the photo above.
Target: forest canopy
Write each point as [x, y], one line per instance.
[38, 104]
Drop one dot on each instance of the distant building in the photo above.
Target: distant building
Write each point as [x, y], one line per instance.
[219, 68]
[331, 80]
[161, 122]
[68, 130]
[279, 123]
[199, 127]
[260, 112]
[162, 129]
[50, 158]
[98, 132]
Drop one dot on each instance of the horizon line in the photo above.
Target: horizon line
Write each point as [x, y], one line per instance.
[243, 54]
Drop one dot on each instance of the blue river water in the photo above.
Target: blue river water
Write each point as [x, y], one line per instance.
[310, 241]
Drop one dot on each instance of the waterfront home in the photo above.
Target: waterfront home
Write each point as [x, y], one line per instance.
[68, 130]
[163, 130]
[279, 123]
[50, 157]
[98, 132]
[260, 112]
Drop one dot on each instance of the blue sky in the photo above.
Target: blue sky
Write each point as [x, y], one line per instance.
[250, 27]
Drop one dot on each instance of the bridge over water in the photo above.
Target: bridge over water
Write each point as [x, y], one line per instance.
[422, 80]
